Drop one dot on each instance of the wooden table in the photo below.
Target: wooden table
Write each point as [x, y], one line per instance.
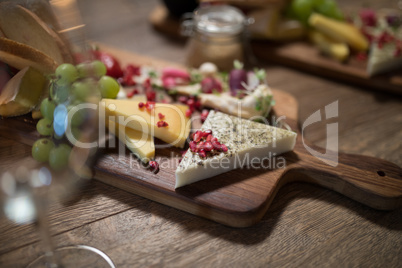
[306, 226]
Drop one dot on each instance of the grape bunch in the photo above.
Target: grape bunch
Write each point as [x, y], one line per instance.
[69, 87]
[302, 9]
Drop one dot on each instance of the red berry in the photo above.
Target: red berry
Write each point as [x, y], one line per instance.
[191, 103]
[200, 146]
[162, 124]
[216, 145]
[154, 166]
[150, 105]
[147, 83]
[193, 146]
[208, 146]
[183, 99]
[202, 153]
[224, 148]
[204, 115]
[150, 94]
[197, 136]
[209, 137]
[161, 116]
[141, 105]
[207, 132]
[133, 70]
[132, 93]
[189, 113]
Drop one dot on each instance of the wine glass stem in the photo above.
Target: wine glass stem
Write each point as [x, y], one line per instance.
[42, 224]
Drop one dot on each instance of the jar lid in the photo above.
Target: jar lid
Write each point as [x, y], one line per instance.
[219, 19]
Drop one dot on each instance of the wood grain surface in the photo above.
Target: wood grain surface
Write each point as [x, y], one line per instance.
[305, 226]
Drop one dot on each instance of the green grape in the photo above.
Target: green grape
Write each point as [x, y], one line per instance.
[99, 69]
[59, 92]
[301, 9]
[83, 69]
[108, 87]
[58, 156]
[329, 8]
[91, 69]
[66, 73]
[41, 150]
[81, 90]
[47, 108]
[45, 127]
[76, 116]
[76, 132]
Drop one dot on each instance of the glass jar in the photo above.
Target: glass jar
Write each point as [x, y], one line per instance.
[217, 35]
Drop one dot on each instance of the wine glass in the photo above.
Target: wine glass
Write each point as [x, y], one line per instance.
[65, 152]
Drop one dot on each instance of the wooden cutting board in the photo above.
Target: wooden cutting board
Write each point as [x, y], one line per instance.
[241, 197]
[299, 55]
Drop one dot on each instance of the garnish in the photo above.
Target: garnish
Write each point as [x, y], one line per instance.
[204, 144]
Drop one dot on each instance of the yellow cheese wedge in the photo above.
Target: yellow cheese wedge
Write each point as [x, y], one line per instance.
[128, 113]
[141, 144]
[339, 31]
[335, 49]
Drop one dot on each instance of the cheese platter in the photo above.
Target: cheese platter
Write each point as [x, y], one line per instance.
[241, 197]
[299, 54]
[177, 166]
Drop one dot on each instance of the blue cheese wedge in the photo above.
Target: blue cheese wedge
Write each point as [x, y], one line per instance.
[248, 143]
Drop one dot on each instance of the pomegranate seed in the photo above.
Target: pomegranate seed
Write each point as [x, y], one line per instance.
[193, 146]
[133, 70]
[207, 132]
[208, 146]
[216, 145]
[141, 105]
[150, 94]
[183, 153]
[214, 139]
[147, 83]
[128, 80]
[197, 104]
[154, 166]
[162, 124]
[224, 148]
[204, 115]
[197, 136]
[150, 105]
[191, 103]
[189, 113]
[161, 116]
[200, 146]
[202, 153]
[183, 99]
[209, 137]
[132, 93]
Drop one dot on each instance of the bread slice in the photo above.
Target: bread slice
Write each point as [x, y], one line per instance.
[19, 56]
[21, 25]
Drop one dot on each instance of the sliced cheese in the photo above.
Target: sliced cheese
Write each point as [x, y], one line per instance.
[141, 144]
[128, 113]
[248, 142]
[382, 60]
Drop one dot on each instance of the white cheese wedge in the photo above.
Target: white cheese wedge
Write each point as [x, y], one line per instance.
[141, 144]
[382, 60]
[248, 142]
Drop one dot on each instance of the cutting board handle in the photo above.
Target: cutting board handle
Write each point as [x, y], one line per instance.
[368, 180]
